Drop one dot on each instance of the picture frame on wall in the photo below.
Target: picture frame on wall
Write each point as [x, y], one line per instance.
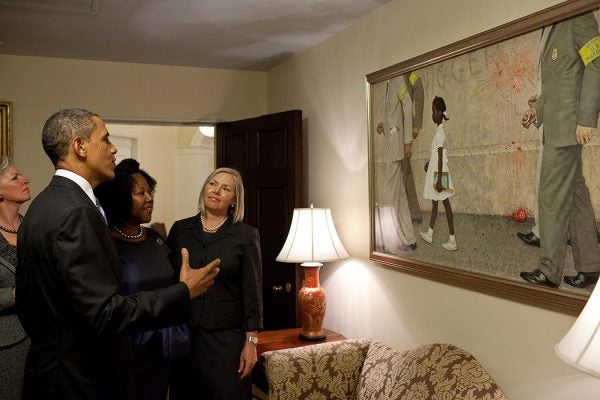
[487, 82]
[6, 128]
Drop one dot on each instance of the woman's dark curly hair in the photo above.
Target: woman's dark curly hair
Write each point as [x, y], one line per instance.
[115, 195]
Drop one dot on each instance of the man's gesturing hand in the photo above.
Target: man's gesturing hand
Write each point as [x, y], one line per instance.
[197, 280]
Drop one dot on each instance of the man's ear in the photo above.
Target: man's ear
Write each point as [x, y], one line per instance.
[79, 145]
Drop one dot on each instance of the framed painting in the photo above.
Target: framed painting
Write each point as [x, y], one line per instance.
[5, 128]
[486, 192]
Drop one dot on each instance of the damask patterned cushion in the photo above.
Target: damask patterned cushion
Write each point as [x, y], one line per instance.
[326, 371]
[435, 372]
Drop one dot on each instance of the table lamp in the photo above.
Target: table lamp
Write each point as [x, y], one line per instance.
[580, 347]
[312, 240]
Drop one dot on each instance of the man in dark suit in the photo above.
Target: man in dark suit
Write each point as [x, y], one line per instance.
[69, 280]
[568, 108]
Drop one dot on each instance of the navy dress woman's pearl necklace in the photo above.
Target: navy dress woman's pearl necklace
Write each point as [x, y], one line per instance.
[126, 236]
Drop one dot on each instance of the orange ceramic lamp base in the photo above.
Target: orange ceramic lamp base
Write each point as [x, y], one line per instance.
[312, 303]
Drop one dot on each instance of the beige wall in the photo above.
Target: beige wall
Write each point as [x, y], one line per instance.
[179, 167]
[514, 341]
[38, 87]
[156, 150]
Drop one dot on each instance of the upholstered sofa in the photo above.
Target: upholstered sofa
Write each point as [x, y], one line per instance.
[361, 369]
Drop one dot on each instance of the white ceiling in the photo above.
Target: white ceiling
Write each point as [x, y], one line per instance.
[232, 34]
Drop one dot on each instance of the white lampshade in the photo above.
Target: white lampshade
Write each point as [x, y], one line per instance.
[312, 238]
[580, 347]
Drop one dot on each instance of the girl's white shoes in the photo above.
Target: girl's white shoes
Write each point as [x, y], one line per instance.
[450, 245]
[426, 237]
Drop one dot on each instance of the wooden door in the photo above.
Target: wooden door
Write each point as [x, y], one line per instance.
[267, 151]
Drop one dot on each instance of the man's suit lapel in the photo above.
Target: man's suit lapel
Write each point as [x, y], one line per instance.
[548, 42]
[67, 184]
[75, 188]
[72, 186]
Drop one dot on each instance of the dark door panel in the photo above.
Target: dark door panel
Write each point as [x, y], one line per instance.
[267, 151]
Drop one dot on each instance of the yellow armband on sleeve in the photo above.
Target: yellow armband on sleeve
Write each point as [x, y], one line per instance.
[590, 51]
[402, 93]
[413, 77]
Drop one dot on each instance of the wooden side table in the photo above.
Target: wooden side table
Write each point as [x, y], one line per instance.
[289, 339]
[278, 340]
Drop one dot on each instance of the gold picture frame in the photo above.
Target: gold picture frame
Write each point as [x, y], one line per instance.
[6, 128]
[509, 36]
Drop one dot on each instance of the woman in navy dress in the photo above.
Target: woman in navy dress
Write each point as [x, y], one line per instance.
[128, 201]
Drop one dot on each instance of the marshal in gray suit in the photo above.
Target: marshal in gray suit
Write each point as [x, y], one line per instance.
[568, 108]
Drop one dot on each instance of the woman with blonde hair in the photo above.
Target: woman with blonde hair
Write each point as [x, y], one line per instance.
[14, 191]
[224, 322]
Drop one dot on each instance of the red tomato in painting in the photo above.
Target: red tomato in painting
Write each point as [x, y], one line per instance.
[520, 215]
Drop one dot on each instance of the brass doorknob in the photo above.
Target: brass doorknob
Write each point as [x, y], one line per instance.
[277, 288]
